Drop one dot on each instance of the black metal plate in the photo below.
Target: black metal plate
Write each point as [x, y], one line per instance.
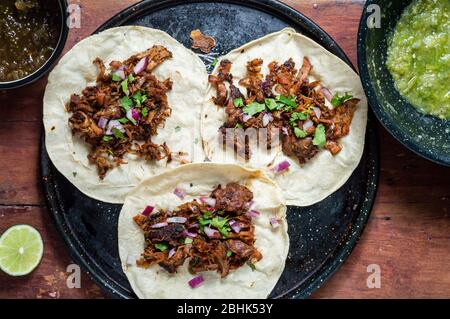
[322, 235]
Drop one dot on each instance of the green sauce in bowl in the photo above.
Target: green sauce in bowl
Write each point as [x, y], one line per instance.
[419, 56]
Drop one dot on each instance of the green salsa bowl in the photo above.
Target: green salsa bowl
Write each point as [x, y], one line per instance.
[426, 135]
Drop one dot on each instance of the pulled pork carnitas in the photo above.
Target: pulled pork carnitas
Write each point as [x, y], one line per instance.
[216, 233]
[123, 110]
[283, 101]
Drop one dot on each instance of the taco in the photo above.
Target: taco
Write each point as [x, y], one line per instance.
[121, 106]
[204, 231]
[284, 104]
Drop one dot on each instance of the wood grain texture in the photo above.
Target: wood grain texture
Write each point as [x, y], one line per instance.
[408, 234]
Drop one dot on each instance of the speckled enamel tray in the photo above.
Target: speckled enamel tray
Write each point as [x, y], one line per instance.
[322, 235]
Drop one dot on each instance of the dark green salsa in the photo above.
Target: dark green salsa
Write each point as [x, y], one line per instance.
[29, 32]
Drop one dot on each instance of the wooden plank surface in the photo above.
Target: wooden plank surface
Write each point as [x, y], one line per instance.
[408, 234]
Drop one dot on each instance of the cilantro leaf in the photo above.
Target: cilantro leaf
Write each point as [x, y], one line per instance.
[339, 100]
[124, 86]
[271, 104]
[229, 253]
[320, 138]
[115, 78]
[144, 111]
[289, 101]
[214, 62]
[300, 133]
[188, 240]
[296, 116]
[107, 138]
[254, 108]
[131, 78]
[252, 266]
[139, 98]
[177, 128]
[161, 246]
[238, 125]
[238, 102]
[123, 120]
[126, 103]
[117, 133]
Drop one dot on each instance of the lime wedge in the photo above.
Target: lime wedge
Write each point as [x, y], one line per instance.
[21, 250]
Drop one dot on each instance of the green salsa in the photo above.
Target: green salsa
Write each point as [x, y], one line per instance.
[419, 56]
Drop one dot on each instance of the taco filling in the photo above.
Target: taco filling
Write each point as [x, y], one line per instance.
[215, 233]
[282, 101]
[122, 112]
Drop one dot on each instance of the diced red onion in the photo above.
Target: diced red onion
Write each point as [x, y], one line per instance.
[120, 73]
[176, 220]
[285, 130]
[148, 210]
[159, 225]
[274, 222]
[208, 201]
[267, 118]
[130, 260]
[195, 225]
[211, 233]
[187, 233]
[253, 213]
[327, 93]
[141, 65]
[235, 226]
[171, 253]
[317, 111]
[196, 281]
[114, 124]
[249, 204]
[307, 124]
[246, 117]
[179, 192]
[282, 166]
[133, 115]
[102, 122]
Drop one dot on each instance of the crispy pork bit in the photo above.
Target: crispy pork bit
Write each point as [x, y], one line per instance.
[137, 101]
[202, 42]
[170, 246]
[296, 109]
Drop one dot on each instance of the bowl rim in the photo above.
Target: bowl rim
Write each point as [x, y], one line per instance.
[43, 69]
[380, 114]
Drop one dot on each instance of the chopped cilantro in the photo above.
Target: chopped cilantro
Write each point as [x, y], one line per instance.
[126, 103]
[288, 101]
[299, 133]
[131, 78]
[320, 138]
[107, 138]
[144, 111]
[221, 224]
[139, 98]
[188, 240]
[238, 125]
[238, 102]
[117, 133]
[296, 116]
[161, 246]
[339, 100]
[123, 120]
[124, 86]
[252, 266]
[271, 104]
[229, 253]
[214, 62]
[254, 108]
[177, 128]
[116, 78]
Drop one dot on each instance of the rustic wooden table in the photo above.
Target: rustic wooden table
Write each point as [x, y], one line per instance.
[408, 234]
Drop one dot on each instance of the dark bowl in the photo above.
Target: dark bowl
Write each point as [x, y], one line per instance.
[64, 31]
[425, 135]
